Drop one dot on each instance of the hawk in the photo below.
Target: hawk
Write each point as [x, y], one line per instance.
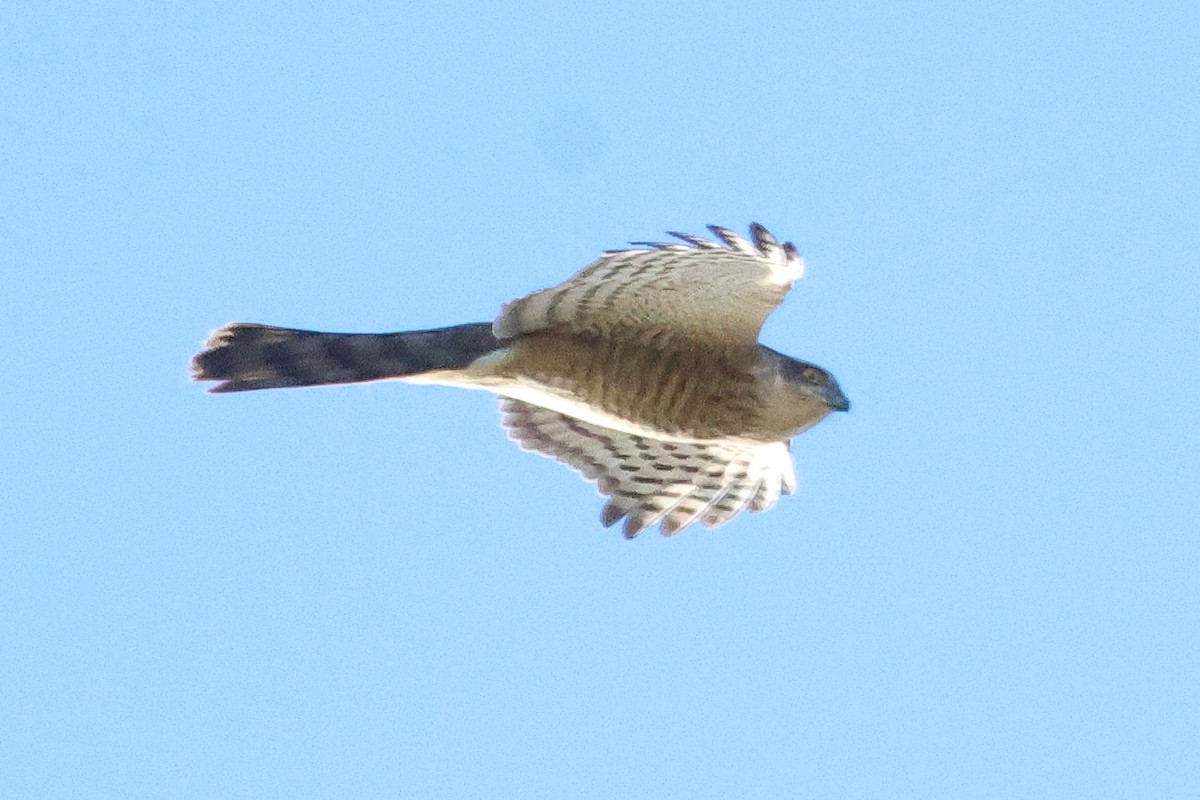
[642, 372]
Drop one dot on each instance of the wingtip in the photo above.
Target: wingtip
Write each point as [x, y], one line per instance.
[725, 235]
[610, 514]
[633, 526]
[671, 526]
[763, 239]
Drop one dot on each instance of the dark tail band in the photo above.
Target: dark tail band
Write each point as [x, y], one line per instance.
[244, 356]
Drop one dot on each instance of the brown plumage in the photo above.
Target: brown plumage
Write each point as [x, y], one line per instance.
[642, 372]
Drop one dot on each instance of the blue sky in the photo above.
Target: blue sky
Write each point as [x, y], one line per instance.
[985, 587]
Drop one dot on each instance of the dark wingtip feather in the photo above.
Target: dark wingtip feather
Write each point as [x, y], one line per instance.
[673, 525]
[610, 514]
[695, 241]
[724, 234]
[763, 238]
[633, 526]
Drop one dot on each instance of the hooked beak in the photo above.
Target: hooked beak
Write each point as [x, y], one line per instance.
[835, 399]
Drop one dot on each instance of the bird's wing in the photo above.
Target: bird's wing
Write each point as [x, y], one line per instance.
[650, 481]
[710, 291]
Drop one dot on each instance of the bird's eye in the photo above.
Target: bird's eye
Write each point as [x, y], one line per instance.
[812, 376]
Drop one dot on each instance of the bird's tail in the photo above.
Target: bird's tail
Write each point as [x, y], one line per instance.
[244, 356]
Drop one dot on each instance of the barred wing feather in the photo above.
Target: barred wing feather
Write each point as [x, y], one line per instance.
[651, 482]
[711, 291]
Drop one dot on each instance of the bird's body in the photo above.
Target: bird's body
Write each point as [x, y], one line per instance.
[669, 393]
[638, 372]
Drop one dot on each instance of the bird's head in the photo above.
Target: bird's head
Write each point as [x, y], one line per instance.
[799, 395]
[811, 380]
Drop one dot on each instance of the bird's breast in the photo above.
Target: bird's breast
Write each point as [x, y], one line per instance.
[664, 391]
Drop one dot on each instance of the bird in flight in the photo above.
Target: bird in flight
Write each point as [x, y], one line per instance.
[642, 372]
